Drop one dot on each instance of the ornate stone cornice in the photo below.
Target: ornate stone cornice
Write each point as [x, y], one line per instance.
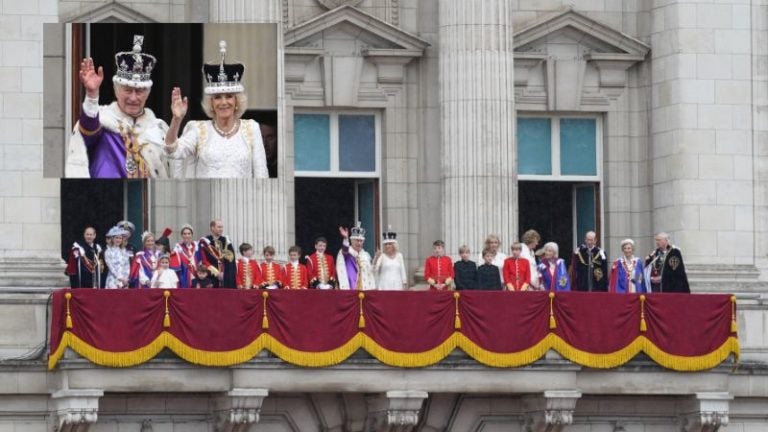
[239, 409]
[75, 410]
[705, 412]
[394, 411]
[550, 412]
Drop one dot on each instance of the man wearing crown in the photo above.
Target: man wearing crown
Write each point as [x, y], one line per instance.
[123, 139]
[218, 255]
[353, 264]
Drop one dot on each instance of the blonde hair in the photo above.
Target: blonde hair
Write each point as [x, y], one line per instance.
[241, 104]
[529, 237]
[490, 238]
[463, 248]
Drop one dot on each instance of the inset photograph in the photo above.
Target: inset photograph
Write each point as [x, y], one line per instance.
[163, 101]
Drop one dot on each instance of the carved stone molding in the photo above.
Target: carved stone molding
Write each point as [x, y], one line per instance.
[75, 410]
[238, 409]
[346, 42]
[556, 52]
[550, 412]
[333, 4]
[705, 412]
[395, 411]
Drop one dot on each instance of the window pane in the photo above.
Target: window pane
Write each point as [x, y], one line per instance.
[578, 147]
[534, 146]
[365, 212]
[585, 211]
[357, 145]
[312, 142]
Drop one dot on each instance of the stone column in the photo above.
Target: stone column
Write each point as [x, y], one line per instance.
[257, 210]
[477, 110]
[30, 230]
[702, 132]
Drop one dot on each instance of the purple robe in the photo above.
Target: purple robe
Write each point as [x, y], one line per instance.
[106, 147]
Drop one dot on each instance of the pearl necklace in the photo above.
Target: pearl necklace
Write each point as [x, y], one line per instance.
[228, 133]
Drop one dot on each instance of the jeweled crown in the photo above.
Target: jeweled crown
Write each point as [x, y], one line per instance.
[223, 77]
[134, 68]
[357, 231]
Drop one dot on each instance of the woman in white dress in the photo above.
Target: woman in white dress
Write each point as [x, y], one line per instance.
[530, 241]
[389, 267]
[225, 146]
[164, 277]
[117, 259]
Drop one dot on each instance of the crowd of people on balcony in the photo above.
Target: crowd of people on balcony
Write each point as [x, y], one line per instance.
[212, 262]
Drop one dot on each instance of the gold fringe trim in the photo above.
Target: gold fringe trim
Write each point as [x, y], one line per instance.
[734, 325]
[393, 358]
[411, 360]
[315, 359]
[504, 360]
[692, 364]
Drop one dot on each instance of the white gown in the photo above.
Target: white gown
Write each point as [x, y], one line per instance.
[206, 154]
[390, 272]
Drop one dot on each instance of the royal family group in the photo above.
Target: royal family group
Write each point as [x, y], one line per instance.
[211, 262]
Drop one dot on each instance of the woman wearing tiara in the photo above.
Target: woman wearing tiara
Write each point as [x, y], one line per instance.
[627, 271]
[225, 146]
[389, 267]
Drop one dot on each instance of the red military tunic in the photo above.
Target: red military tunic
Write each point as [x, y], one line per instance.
[438, 271]
[271, 274]
[295, 276]
[322, 269]
[517, 274]
[248, 274]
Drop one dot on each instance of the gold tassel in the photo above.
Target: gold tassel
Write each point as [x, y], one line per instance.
[361, 320]
[264, 320]
[68, 296]
[457, 319]
[643, 325]
[734, 325]
[552, 323]
[167, 317]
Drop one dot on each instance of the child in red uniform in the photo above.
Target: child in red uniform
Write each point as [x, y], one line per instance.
[438, 269]
[322, 269]
[271, 272]
[295, 275]
[517, 271]
[248, 272]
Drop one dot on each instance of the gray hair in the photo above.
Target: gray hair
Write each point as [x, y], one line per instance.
[242, 104]
[628, 242]
[663, 235]
[553, 247]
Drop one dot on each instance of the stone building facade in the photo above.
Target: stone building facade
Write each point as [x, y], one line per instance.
[631, 116]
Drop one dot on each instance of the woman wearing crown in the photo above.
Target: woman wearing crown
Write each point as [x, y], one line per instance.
[389, 266]
[225, 146]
